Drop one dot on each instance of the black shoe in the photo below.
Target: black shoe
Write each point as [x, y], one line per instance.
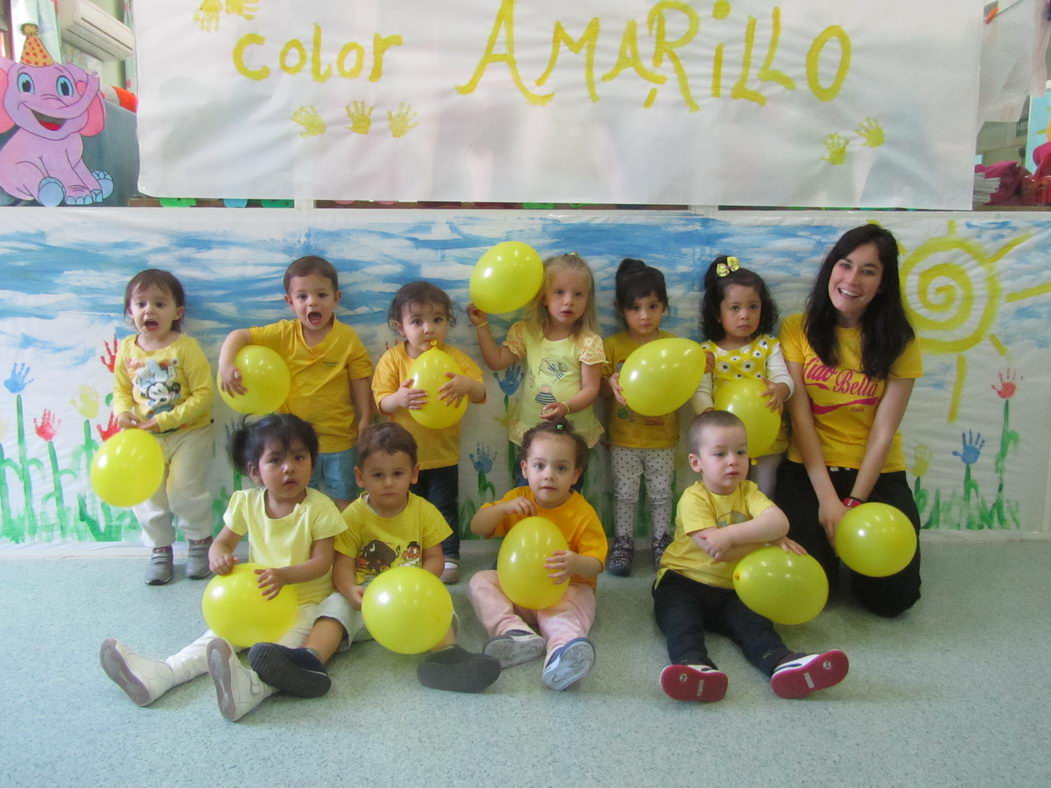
[621, 556]
[455, 669]
[293, 670]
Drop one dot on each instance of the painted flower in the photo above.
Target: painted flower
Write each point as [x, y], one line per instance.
[46, 425]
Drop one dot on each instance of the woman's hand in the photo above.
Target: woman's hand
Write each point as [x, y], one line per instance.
[790, 546]
[829, 513]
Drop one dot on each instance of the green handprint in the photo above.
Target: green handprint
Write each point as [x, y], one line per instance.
[360, 115]
[401, 122]
[310, 120]
[871, 132]
[836, 149]
[206, 16]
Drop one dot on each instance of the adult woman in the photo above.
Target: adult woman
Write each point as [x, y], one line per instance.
[854, 360]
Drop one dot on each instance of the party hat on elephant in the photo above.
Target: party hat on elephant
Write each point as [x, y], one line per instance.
[34, 53]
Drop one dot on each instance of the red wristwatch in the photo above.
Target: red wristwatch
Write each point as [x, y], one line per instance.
[850, 502]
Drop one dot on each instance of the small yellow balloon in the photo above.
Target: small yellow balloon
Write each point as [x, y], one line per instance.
[128, 468]
[265, 377]
[506, 277]
[428, 372]
[520, 563]
[235, 609]
[407, 609]
[784, 587]
[875, 539]
[744, 398]
[661, 376]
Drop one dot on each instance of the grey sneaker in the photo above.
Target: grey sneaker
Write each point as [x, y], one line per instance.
[159, 569]
[569, 664]
[515, 647]
[621, 555]
[197, 558]
[451, 570]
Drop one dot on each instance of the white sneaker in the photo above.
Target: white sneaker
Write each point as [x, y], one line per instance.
[515, 647]
[801, 676]
[237, 689]
[144, 680]
[569, 664]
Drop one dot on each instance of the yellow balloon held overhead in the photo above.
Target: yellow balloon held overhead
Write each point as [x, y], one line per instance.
[506, 277]
[520, 563]
[785, 587]
[236, 610]
[128, 468]
[875, 539]
[744, 398]
[407, 609]
[428, 372]
[265, 377]
[661, 376]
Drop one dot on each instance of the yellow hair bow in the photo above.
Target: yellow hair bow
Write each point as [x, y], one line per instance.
[725, 269]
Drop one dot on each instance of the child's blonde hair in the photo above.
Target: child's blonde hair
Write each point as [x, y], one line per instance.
[537, 318]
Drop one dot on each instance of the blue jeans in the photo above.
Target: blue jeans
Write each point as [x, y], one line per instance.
[334, 474]
[441, 486]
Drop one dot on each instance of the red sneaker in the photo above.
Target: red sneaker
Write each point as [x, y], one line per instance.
[693, 682]
[799, 677]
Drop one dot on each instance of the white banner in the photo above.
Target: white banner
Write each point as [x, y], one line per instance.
[797, 103]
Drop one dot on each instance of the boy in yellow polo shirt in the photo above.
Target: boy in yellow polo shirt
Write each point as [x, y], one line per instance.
[329, 366]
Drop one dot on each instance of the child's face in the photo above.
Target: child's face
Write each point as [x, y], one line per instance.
[722, 458]
[566, 297]
[740, 311]
[422, 325]
[153, 310]
[644, 316]
[550, 469]
[284, 471]
[386, 477]
[313, 299]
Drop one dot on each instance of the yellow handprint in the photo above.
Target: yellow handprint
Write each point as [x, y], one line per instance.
[401, 122]
[360, 117]
[871, 132]
[922, 462]
[88, 404]
[245, 8]
[310, 120]
[206, 16]
[836, 147]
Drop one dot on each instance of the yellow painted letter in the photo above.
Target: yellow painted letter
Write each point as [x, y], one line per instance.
[589, 39]
[656, 22]
[381, 44]
[318, 73]
[505, 18]
[813, 62]
[247, 40]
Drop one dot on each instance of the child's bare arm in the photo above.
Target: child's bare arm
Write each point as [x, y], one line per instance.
[738, 540]
[229, 376]
[361, 399]
[434, 559]
[273, 579]
[487, 518]
[221, 558]
[496, 356]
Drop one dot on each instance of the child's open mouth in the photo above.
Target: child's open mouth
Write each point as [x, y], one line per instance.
[314, 318]
[150, 325]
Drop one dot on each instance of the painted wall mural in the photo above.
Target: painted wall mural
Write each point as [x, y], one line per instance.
[977, 432]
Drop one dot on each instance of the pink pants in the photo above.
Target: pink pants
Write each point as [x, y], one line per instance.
[570, 617]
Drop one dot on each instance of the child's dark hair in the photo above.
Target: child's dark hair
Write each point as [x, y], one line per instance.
[562, 428]
[249, 440]
[385, 436]
[706, 420]
[637, 280]
[311, 264]
[155, 277]
[722, 273]
[885, 327]
[419, 293]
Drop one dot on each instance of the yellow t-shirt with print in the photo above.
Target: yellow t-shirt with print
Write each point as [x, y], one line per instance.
[172, 385]
[626, 428]
[699, 508]
[842, 398]
[288, 540]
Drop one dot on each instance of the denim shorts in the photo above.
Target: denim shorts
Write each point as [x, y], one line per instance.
[334, 474]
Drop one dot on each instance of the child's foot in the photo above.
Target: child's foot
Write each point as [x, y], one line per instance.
[451, 572]
[197, 558]
[293, 670]
[694, 682]
[455, 669]
[798, 677]
[237, 689]
[144, 680]
[569, 664]
[159, 569]
[621, 555]
[515, 647]
[660, 544]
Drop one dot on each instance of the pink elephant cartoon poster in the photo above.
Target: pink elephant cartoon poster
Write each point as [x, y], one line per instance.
[53, 106]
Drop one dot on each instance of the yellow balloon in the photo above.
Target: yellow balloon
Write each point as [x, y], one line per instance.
[506, 277]
[520, 563]
[428, 373]
[661, 376]
[265, 377]
[128, 468]
[235, 609]
[784, 587]
[407, 609]
[875, 539]
[744, 398]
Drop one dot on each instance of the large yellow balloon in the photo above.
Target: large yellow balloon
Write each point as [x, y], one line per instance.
[784, 587]
[235, 609]
[407, 609]
[744, 398]
[128, 468]
[265, 377]
[428, 373]
[661, 376]
[875, 539]
[520, 563]
[506, 277]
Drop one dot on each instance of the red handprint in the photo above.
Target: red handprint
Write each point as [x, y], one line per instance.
[46, 425]
[111, 428]
[110, 358]
[1007, 387]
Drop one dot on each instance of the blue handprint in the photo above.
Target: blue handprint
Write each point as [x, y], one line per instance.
[510, 381]
[973, 443]
[482, 459]
[19, 378]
